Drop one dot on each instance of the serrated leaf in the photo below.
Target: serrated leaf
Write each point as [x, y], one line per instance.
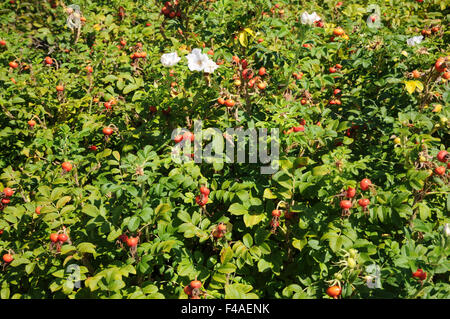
[299, 243]
[251, 220]
[113, 235]
[63, 201]
[247, 240]
[86, 248]
[237, 209]
[226, 254]
[130, 87]
[133, 223]
[90, 210]
[268, 194]
[162, 209]
[66, 249]
[320, 170]
[116, 155]
[227, 268]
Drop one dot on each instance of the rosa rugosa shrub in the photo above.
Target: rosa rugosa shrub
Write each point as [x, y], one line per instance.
[93, 99]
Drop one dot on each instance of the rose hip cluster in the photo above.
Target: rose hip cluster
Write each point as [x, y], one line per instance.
[275, 222]
[202, 199]
[193, 289]
[298, 128]
[220, 230]
[5, 197]
[275, 10]
[170, 10]
[347, 204]
[58, 239]
[138, 53]
[131, 242]
[420, 274]
[443, 157]
[247, 73]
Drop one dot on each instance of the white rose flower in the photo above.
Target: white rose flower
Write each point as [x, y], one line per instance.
[170, 59]
[197, 60]
[307, 18]
[414, 40]
[210, 66]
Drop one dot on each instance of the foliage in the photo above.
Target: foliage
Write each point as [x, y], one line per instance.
[388, 126]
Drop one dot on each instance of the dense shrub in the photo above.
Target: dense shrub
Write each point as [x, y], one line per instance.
[94, 206]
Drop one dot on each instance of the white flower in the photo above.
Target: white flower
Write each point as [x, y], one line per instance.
[197, 61]
[414, 40]
[210, 66]
[309, 18]
[170, 59]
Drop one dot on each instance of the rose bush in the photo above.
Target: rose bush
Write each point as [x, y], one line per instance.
[94, 206]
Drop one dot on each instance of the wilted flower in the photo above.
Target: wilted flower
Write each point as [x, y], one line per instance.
[414, 40]
[170, 59]
[309, 18]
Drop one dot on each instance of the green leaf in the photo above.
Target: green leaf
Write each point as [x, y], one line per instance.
[90, 210]
[299, 243]
[283, 179]
[19, 261]
[227, 268]
[268, 194]
[231, 292]
[130, 87]
[237, 209]
[247, 240]
[86, 248]
[161, 209]
[113, 235]
[146, 214]
[184, 216]
[264, 265]
[133, 223]
[226, 254]
[67, 249]
[116, 155]
[251, 220]
[30, 267]
[320, 170]
[63, 201]
[424, 211]
[4, 293]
